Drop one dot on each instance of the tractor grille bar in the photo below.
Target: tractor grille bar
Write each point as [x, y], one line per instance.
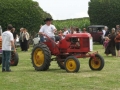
[86, 42]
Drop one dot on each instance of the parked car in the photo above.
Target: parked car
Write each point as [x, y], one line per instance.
[96, 32]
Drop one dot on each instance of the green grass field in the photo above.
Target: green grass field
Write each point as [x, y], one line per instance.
[24, 77]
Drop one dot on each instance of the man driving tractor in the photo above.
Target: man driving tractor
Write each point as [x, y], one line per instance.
[48, 29]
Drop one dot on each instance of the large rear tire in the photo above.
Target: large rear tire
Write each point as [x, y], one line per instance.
[14, 59]
[72, 64]
[96, 63]
[41, 57]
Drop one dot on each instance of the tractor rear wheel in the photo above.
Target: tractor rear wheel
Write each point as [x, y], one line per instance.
[41, 57]
[72, 64]
[14, 59]
[96, 64]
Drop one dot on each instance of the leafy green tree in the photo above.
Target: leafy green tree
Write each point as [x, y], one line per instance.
[104, 12]
[22, 13]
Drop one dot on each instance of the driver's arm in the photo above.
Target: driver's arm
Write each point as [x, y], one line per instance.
[54, 31]
[41, 31]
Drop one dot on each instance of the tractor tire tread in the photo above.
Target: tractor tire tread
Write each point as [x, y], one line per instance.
[102, 63]
[77, 64]
[47, 56]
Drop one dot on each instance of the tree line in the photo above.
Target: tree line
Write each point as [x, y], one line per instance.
[104, 12]
[22, 13]
[28, 14]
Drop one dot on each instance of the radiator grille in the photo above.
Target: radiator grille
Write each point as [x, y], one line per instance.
[85, 42]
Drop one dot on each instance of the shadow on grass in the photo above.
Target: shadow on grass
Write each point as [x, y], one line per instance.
[52, 70]
[64, 71]
[49, 70]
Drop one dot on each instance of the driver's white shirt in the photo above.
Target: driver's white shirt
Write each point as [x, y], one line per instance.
[48, 30]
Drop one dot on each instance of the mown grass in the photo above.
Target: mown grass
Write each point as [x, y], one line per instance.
[24, 77]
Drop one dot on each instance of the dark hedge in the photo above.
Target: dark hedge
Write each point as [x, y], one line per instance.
[104, 12]
[22, 13]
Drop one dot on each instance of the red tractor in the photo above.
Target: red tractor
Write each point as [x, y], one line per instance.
[67, 52]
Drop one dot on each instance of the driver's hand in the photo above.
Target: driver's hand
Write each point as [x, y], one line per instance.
[54, 31]
[43, 34]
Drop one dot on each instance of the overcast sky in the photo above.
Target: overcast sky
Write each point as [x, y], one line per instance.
[65, 9]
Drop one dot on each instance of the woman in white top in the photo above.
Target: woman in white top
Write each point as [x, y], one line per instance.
[25, 38]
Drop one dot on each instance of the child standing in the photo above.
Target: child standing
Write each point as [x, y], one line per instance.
[105, 43]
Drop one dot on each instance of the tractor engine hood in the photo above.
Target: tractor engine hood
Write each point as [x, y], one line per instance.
[78, 35]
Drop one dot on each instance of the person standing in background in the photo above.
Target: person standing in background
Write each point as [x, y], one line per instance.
[103, 35]
[77, 30]
[20, 38]
[117, 28]
[107, 33]
[60, 34]
[110, 49]
[65, 32]
[84, 30]
[117, 42]
[104, 31]
[7, 44]
[106, 41]
[72, 30]
[25, 38]
[14, 35]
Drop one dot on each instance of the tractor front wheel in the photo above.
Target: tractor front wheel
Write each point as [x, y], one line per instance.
[41, 57]
[96, 63]
[72, 64]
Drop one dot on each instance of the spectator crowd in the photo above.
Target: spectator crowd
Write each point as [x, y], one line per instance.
[111, 40]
